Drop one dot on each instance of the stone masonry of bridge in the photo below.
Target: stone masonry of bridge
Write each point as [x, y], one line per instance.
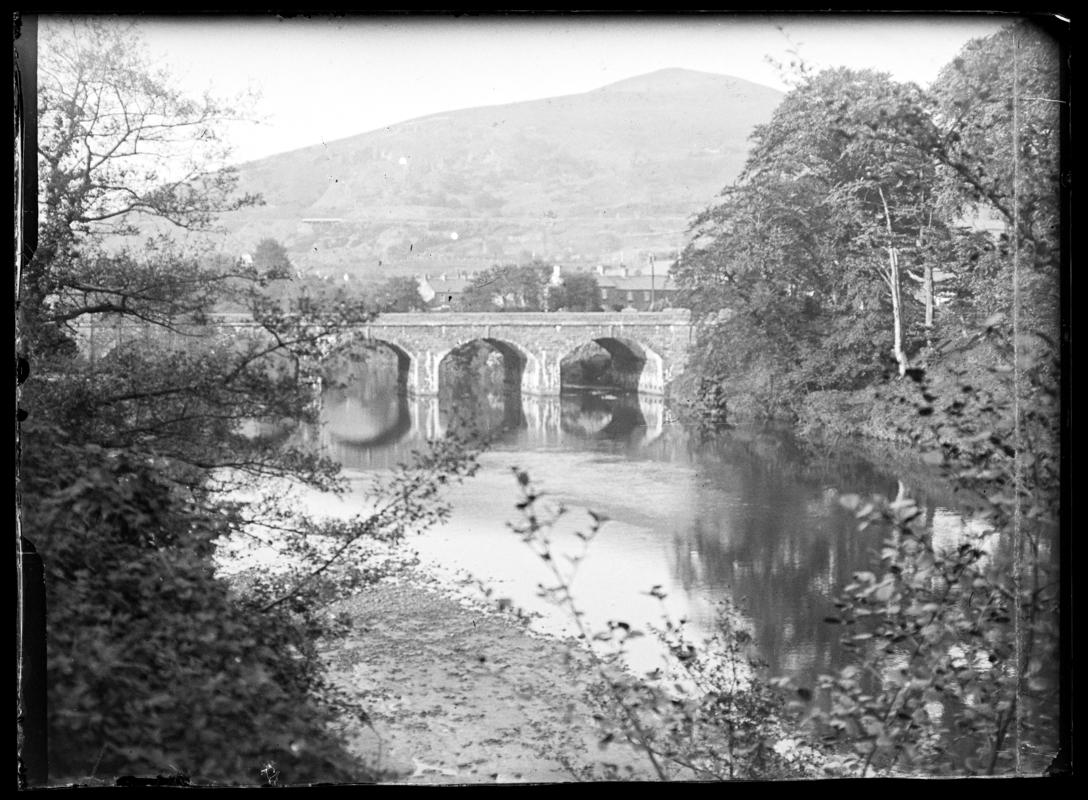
[648, 348]
[651, 347]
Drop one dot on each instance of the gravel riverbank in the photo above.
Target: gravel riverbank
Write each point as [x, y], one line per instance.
[459, 694]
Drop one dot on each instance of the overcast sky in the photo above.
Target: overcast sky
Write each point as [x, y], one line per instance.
[324, 79]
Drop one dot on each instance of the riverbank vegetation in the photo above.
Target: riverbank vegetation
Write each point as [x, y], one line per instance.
[846, 284]
[138, 461]
[848, 251]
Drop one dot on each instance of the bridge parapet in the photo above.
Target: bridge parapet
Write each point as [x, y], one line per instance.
[675, 316]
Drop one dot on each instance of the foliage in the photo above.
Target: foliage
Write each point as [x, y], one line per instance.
[948, 642]
[956, 644]
[579, 291]
[722, 718]
[975, 111]
[153, 664]
[109, 128]
[805, 252]
[139, 462]
[154, 661]
[397, 294]
[854, 194]
[270, 257]
[939, 676]
[508, 288]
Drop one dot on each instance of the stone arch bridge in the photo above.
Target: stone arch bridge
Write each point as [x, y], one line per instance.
[647, 348]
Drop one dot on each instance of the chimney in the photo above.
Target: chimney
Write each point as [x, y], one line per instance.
[625, 272]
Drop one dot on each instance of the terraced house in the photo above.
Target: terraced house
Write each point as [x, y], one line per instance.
[637, 290]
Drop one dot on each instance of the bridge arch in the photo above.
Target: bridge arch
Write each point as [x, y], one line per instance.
[515, 358]
[634, 366]
[516, 364]
[406, 361]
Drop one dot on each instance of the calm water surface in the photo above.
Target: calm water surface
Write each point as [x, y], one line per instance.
[740, 515]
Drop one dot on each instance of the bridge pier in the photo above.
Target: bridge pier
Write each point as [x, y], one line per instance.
[652, 408]
[426, 420]
[651, 381]
[423, 372]
[541, 375]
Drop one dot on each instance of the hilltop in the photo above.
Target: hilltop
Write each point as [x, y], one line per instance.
[597, 176]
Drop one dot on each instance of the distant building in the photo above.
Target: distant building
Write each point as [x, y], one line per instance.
[443, 291]
[643, 292]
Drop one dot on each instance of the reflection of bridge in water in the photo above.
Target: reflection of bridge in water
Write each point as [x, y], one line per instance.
[385, 431]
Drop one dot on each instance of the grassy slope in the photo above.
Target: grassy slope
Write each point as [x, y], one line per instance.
[617, 169]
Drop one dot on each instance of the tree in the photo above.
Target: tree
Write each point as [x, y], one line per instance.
[579, 291]
[109, 131]
[956, 649]
[398, 294]
[117, 145]
[508, 288]
[270, 256]
[812, 243]
[140, 464]
[1012, 76]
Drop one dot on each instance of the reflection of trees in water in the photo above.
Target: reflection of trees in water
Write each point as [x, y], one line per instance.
[479, 390]
[768, 551]
[388, 422]
[781, 541]
[365, 412]
[384, 457]
[592, 415]
[364, 418]
[603, 363]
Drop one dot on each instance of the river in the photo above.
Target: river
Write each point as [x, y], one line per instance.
[739, 515]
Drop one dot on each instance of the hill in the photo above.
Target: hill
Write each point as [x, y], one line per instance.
[606, 175]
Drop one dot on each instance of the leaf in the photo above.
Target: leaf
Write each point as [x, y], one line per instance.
[884, 592]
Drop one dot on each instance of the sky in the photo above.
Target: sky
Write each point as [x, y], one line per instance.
[322, 79]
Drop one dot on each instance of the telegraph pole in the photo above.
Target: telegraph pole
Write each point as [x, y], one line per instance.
[653, 295]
